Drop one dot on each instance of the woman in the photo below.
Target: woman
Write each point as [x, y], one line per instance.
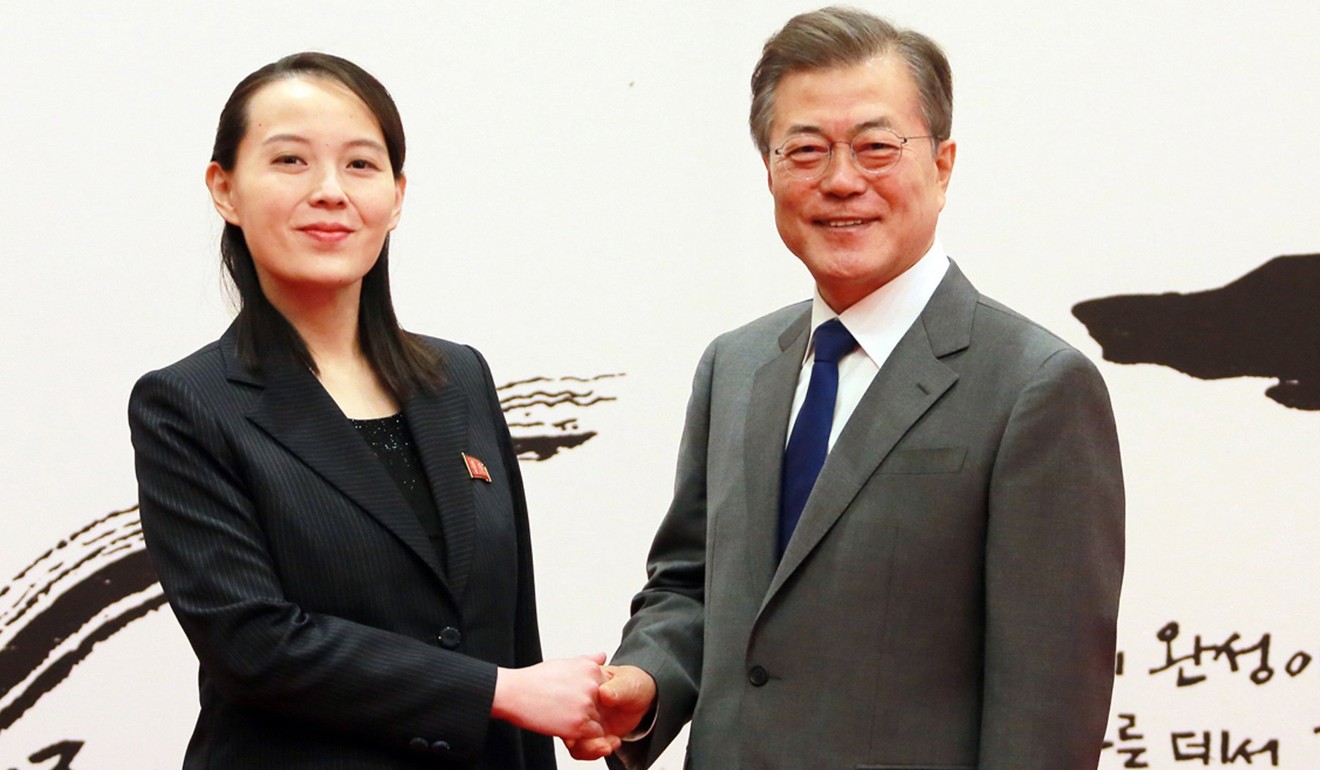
[333, 504]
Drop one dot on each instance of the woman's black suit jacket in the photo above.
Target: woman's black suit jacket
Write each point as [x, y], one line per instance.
[328, 633]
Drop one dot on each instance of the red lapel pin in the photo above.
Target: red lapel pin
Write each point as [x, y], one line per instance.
[476, 468]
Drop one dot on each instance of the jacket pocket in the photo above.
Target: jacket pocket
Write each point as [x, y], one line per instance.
[915, 767]
[934, 460]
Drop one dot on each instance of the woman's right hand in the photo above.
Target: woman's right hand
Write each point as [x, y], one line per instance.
[557, 697]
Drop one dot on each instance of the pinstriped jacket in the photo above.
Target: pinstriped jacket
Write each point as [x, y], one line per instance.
[327, 632]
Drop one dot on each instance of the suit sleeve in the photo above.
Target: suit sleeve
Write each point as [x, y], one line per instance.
[256, 648]
[1054, 565]
[664, 635]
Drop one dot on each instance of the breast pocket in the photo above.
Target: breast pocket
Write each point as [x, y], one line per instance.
[918, 461]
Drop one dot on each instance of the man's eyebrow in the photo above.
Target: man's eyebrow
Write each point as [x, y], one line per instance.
[877, 123]
[807, 128]
[803, 128]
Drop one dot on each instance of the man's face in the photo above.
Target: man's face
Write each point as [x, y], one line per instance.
[853, 230]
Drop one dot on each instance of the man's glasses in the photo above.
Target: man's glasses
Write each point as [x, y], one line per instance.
[875, 151]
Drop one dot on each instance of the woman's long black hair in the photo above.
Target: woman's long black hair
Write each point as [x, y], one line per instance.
[404, 363]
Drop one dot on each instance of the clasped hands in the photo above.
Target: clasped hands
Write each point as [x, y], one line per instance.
[589, 705]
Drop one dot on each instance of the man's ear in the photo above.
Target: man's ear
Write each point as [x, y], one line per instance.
[944, 158]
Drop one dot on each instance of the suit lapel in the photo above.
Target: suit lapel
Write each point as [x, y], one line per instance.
[909, 383]
[766, 432]
[439, 424]
[297, 412]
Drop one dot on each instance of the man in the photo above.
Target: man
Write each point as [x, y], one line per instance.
[944, 593]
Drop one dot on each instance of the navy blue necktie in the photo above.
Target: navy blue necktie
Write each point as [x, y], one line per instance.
[807, 447]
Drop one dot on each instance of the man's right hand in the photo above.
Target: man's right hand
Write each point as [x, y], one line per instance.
[623, 700]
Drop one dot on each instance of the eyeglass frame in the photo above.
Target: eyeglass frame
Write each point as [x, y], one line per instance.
[782, 159]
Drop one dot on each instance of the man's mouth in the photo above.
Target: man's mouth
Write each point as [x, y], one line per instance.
[843, 222]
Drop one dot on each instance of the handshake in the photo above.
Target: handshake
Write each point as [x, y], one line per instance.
[589, 705]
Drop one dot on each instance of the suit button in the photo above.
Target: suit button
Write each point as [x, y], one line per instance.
[758, 676]
[418, 744]
[439, 747]
[451, 638]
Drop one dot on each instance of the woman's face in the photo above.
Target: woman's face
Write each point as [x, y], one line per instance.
[312, 187]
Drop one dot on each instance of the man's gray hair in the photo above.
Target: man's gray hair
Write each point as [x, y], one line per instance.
[838, 36]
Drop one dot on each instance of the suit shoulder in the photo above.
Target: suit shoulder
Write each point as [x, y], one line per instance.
[768, 327]
[441, 346]
[1006, 320]
[451, 352]
[195, 384]
[201, 366]
[1013, 331]
[461, 363]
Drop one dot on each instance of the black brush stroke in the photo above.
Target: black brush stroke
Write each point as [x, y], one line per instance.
[63, 666]
[94, 555]
[1264, 324]
[65, 542]
[527, 404]
[68, 613]
[568, 378]
[541, 448]
[541, 397]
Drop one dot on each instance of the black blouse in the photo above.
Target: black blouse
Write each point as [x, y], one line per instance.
[392, 442]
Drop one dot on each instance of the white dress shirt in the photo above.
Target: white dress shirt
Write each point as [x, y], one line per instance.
[877, 321]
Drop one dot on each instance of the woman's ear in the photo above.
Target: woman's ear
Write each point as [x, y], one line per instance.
[222, 193]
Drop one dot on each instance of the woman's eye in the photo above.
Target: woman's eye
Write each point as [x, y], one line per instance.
[288, 160]
[361, 165]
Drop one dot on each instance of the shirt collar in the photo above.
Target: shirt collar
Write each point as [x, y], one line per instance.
[880, 319]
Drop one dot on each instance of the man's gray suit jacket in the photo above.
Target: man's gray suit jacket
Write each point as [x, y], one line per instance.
[950, 595]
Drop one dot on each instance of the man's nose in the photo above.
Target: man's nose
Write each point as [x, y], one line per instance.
[842, 175]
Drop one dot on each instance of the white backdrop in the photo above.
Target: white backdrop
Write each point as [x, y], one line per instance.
[584, 199]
